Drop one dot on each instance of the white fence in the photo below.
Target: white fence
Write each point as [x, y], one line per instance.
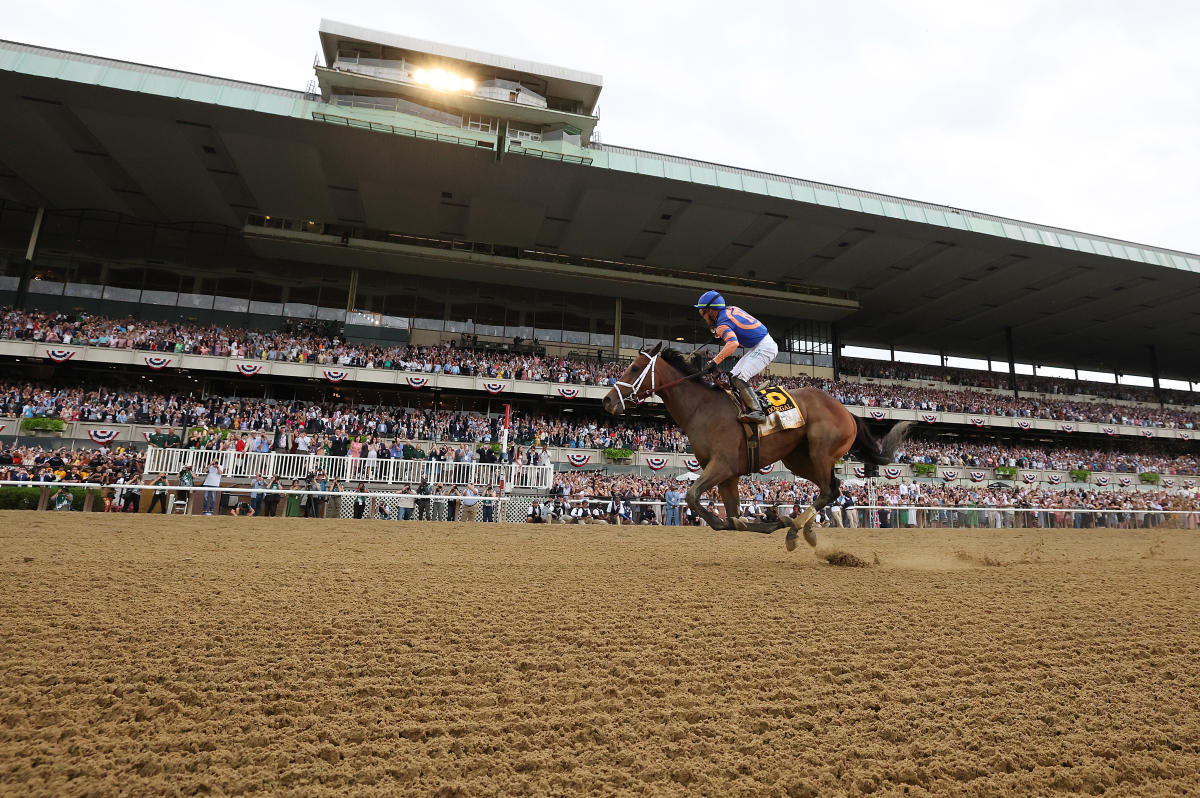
[247, 465]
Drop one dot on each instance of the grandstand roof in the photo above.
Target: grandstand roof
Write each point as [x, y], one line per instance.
[88, 132]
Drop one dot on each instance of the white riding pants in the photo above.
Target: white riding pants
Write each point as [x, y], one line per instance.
[756, 359]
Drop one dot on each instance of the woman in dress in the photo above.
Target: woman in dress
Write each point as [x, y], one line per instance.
[293, 500]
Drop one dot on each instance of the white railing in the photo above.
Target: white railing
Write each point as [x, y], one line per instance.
[248, 465]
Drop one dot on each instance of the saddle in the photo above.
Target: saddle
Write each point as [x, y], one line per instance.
[781, 412]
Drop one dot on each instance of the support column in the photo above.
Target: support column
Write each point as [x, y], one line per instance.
[1012, 366]
[837, 351]
[30, 252]
[617, 331]
[1158, 394]
[352, 293]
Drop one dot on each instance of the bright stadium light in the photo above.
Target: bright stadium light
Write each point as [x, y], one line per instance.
[442, 81]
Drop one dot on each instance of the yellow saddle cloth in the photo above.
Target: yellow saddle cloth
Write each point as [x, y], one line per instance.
[780, 409]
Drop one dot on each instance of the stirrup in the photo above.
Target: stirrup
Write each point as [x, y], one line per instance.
[756, 416]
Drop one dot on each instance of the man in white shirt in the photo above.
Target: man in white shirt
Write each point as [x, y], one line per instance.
[212, 480]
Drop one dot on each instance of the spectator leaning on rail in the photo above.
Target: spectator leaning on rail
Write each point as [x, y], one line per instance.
[737, 328]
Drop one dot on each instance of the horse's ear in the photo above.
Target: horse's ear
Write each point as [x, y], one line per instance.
[654, 351]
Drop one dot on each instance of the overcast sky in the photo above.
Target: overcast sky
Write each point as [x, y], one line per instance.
[1082, 114]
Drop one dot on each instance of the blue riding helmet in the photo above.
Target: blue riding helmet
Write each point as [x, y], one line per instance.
[710, 299]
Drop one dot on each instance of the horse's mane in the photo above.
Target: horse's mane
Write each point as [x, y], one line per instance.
[683, 364]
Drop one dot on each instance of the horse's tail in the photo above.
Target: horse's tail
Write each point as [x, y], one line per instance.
[873, 450]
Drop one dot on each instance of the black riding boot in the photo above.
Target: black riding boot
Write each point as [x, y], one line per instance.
[745, 394]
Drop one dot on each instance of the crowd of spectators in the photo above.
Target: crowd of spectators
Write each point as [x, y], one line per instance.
[318, 345]
[260, 425]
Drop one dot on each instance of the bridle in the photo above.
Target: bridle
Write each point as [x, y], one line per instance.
[635, 396]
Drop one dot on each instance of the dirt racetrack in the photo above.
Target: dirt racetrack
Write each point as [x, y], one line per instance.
[153, 655]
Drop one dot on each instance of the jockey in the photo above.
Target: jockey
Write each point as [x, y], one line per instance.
[735, 327]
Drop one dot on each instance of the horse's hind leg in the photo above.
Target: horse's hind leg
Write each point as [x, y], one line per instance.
[801, 464]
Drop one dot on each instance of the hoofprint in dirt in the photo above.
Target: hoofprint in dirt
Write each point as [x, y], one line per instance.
[161, 655]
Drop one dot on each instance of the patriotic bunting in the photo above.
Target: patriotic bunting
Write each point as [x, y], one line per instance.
[249, 369]
[568, 393]
[692, 464]
[1108, 430]
[335, 376]
[3, 427]
[929, 418]
[978, 421]
[978, 476]
[157, 363]
[1168, 483]
[1149, 433]
[1067, 427]
[656, 463]
[1025, 425]
[493, 387]
[417, 382]
[949, 474]
[1054, 479]
[578, 460]
[1102, 480]
[1125, 481]
[891, 472]
[1028, 477]
[767, 469]
[1185, 436]
[60, 355]
[860, 472]
[1187, 483]
[103, 436]
[878, 415]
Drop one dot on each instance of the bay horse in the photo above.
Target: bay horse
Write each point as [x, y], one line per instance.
[709, 417]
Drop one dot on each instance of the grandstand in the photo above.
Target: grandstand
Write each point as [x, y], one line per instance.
[439, 229]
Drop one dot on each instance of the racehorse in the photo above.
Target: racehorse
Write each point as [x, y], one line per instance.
[709, 417]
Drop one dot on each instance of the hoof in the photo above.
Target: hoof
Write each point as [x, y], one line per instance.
[740, 523]
[810, 537]
[789, 542]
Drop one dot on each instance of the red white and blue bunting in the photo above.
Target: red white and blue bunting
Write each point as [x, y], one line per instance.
[891, 472]
[1125, 481]
[878, 415]
[1168, 483]
[417, 382]
[860, 472]
[949, 474]
[3, 427]
[578, 460]
[1102, 480]
[929, 418]
[767, 469]
[1054, 479]
[1187, 436]
[157, 363]
[692, 464]
[249, 369]
[1149, 433]
[103, 436]
[978, 421]
[1189, 483]
[655, 462]
[335, 376]
[568, 393]
[1025, 425]
[493, 387]
[60, 355]
[1028, 477]
[978, 476]
[1067, 427]
[1109, 430]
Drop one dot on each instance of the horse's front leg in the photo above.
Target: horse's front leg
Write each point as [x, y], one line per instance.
[713, 473]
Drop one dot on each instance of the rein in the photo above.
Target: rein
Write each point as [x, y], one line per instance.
[635, 396]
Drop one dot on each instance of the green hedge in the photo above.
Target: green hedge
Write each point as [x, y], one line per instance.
[1006, 471]
[618, 454]
[14, 498]
[924, 469]
[1079, 474]
[1148, 478]
[43, 425]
